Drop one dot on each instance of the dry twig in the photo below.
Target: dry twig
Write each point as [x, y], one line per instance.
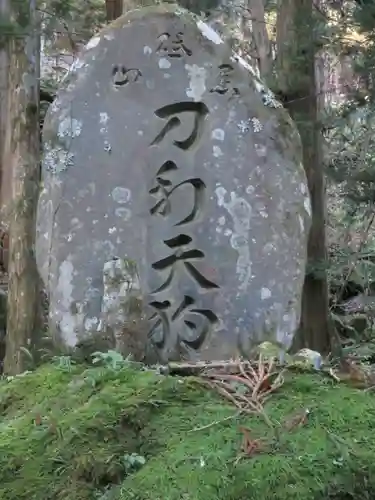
[250, 387]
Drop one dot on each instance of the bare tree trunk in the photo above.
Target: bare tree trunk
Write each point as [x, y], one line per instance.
[297, 84]
[24, 159]
[113, 9]
[3, 98]
[261, 38]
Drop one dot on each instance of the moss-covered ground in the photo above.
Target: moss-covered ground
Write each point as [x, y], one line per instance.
[83, 433]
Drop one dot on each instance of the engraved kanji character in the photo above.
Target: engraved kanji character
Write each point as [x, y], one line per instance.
[170, 112]
[173, 45]
[164, 189]
[225, 83]
[122, 76]
[187, 327]
[182, 253]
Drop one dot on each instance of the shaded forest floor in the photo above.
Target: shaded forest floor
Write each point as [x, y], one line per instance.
[87, 433]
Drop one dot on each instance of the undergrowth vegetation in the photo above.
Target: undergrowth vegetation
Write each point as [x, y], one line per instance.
[118, 431]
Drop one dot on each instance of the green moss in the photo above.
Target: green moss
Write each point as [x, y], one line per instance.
[84, 433]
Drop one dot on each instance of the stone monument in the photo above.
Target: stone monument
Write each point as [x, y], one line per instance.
[164, 148]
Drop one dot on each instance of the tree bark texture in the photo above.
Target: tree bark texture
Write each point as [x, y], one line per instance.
[23, 157]
[3, 101]
[297, 84]
[113, 9]
[261, 38]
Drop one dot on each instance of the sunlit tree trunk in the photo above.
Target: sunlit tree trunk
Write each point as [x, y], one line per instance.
[261, 39]
[23, 158]
[296, 48]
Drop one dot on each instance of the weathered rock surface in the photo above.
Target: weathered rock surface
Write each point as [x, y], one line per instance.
[122, 312]
[165, 149]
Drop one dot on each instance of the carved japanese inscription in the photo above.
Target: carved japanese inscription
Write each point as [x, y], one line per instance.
[186, 326]
[172, 45]
[164, 188]
[152, 165]
[187, 319]
[224, 84]
[183, 252]
[121, 75]
[171, 112]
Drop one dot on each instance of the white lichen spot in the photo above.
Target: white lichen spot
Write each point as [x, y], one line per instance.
[57, 159]
[124, 213]
[240, 212]
[147, 50]
[218, 134]
[221, 220]
[269, 99]
[93, 43]
[265, 293]
[243, 126]
[257, 126]
[197, 81]
[217, 152]
[209, 33]
[112, 230]
[69, 127]
[103, 118]
[250, 189]
[164, 63]
[121, 194]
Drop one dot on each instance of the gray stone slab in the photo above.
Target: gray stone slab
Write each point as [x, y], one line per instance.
[165, 149]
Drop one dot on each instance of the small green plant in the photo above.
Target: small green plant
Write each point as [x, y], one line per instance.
[63, 362]
[133, 461]
[110, 359]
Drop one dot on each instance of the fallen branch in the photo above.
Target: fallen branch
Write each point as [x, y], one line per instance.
[188, 369]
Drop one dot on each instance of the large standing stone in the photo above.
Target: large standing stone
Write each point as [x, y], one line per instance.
[165, 149]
